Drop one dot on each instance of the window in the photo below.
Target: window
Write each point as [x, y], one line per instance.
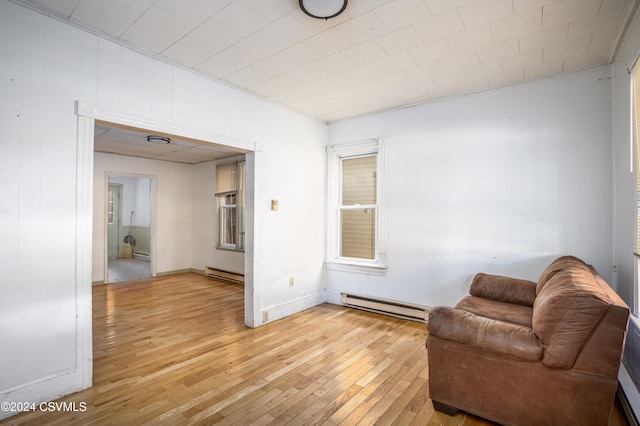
[230, 178]
[356, 217]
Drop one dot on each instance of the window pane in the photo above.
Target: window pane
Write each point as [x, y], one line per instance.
[228, 232]
[358, 233]
[359, 181]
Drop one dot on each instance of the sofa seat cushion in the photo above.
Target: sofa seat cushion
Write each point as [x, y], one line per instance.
[507, 312]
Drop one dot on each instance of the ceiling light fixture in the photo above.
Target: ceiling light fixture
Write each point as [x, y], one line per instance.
[158, 139]
[323, 9]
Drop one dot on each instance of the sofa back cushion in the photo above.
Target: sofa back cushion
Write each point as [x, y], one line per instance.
[569, 306]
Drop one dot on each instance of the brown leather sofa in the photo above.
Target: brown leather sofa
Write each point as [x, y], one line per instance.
[523, 353]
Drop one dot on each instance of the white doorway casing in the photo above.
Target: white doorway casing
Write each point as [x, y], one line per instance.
[87, 115]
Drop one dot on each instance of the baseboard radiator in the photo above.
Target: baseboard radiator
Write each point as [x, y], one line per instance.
[386, 307]
[223, 275]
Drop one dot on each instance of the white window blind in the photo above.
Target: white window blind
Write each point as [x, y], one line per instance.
[358, 210]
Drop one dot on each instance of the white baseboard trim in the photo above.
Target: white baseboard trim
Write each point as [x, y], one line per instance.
[275, 312]
[42, 390]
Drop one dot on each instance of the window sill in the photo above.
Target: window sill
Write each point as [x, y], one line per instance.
[230, 249]
[356, 267]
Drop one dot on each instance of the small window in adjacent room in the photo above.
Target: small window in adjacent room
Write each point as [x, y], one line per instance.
[356, 216]
[230, 184]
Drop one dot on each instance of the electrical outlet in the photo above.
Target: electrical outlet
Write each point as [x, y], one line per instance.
[265, 317]
[291, 282]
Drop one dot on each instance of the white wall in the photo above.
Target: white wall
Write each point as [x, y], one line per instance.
[174, 210]
[45, 179]
[501, 181]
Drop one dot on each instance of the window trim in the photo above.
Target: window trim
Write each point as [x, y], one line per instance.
[335, 153]
[240, 165]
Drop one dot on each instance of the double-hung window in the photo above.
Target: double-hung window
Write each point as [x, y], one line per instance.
[356, 216]
[230, 183]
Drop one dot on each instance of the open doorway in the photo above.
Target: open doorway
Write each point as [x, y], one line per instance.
[130, 206]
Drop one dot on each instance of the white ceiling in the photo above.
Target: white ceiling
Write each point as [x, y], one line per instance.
[133, 142]
[377, 55]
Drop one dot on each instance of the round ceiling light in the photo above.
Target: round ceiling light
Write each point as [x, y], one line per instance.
[158, 139]
[323, 9]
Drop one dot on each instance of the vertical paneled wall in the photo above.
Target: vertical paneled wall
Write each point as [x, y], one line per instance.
[46, 67]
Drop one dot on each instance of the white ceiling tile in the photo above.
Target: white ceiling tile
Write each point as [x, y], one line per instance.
[215, 35]
[156, 30]
[257, 46]
[441, 6]
[494, 52]
[365, 52]
[112, 17]
[544, 38]
[366, 71]
[570, 48]
[241, 18]
[275, 85]
[225, 63]
[588, 59]
[507, 77]
[61, 8]
[272, 9]
[188, 51]
[246, 77]
[402, 39]
[439, 27]
[483, 12]
[471, 39]
[484, 70]
[401, 13]
[459, 60]
[450, 80]
[605, 22]
[543, 70]
[298, 55]
[565, 11]
[515, 26]
[286, 31]
[530, 58]
[362, 28]
[360, 7]
[328, 42]
[396, 62]
[273, 66]
[522, 6]
[425, 70]
[395, 79]
[431, 51]
[334, 63]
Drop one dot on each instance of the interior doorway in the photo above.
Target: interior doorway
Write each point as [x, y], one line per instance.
[130, 206]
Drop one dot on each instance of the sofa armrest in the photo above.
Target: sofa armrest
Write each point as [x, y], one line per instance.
[484, 333]
[503, 289]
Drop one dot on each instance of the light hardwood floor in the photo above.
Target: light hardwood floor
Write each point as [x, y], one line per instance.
[174, 350]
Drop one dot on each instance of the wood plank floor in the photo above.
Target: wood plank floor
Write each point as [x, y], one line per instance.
[174, 350]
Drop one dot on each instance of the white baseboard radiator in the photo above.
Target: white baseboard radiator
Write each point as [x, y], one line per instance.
[386, 307]
[223, 275]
